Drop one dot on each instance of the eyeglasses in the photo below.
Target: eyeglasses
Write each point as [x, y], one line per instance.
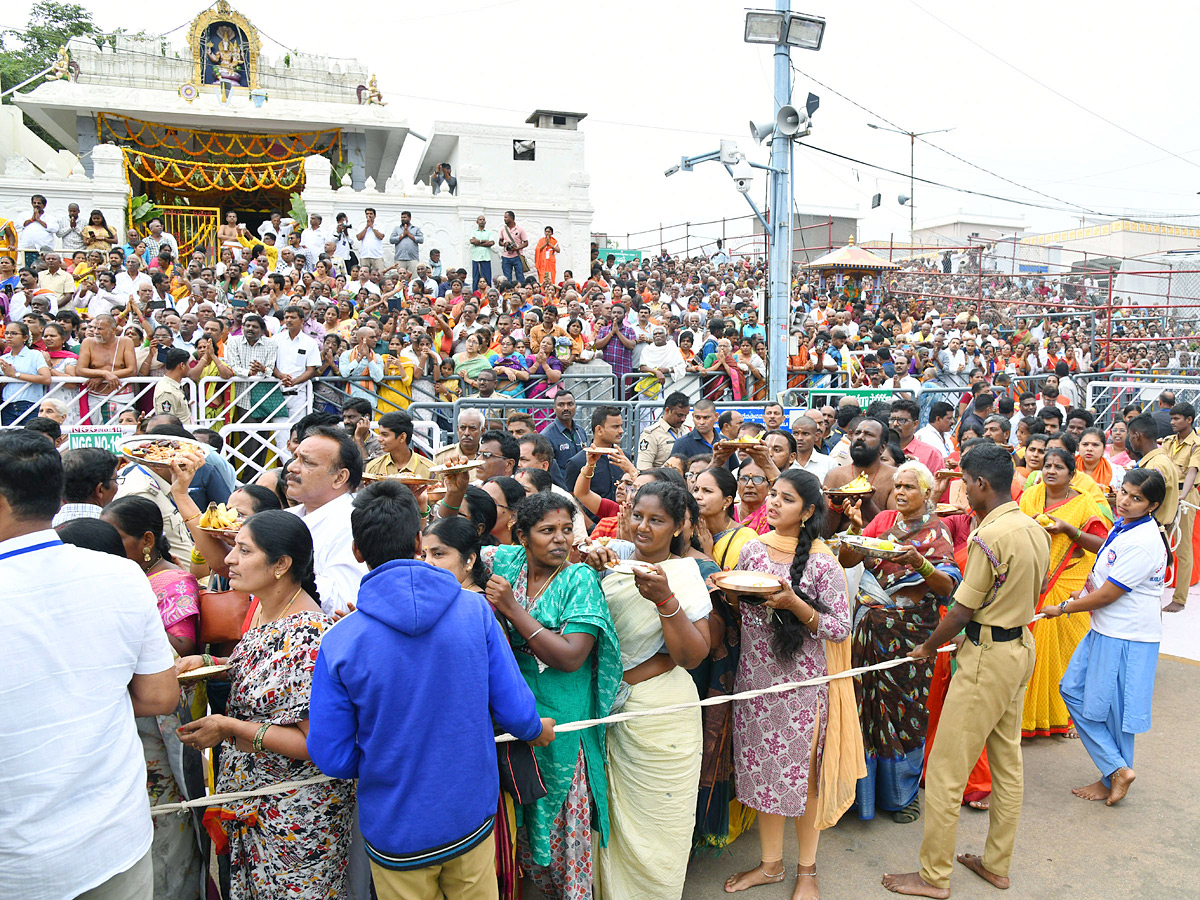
[488, 454]
[751, 479]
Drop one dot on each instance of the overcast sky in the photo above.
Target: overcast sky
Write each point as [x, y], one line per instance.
[664, 79]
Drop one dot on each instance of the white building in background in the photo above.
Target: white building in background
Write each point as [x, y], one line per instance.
[215, 125]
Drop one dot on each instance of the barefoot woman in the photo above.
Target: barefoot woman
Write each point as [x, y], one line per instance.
[1110, 681]
[779, 739]
[897, 609]
[1077, 530]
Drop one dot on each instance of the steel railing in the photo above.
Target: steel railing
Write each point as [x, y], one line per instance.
[86, 408]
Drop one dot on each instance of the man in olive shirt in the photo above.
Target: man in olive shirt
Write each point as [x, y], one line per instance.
[1142, 441]
[1008, 557]
[395, 439]
[1183, 447]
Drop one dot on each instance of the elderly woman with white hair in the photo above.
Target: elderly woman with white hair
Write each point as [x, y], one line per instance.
[898, 607]
[53, 409]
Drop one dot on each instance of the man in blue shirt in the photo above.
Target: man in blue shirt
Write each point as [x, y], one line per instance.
[564, 435]
[752, 329]
[703, 435]
[716, 331]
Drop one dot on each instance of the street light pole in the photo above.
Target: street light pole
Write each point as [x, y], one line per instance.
[780, 258]
[912, 174]
[912, 168]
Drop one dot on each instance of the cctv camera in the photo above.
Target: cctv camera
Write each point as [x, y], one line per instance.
[742, 184]
[671, 171]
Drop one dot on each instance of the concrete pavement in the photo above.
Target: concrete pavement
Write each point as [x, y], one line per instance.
[1067, 849]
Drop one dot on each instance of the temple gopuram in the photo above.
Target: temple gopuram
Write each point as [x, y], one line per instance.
[214, 126]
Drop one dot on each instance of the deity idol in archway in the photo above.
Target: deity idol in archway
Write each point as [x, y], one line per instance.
[226, 56]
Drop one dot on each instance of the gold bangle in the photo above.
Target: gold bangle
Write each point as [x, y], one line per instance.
[258, 738]
[585, 471]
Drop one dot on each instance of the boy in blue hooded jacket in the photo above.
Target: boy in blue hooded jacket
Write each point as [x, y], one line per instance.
[404, 695]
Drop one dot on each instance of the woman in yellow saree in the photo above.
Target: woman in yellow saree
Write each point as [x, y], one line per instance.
[395, 391]
[1085, 484]
[1066, 513]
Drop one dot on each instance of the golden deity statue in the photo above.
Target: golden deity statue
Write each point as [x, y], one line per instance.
[374, 97]
[61, 68]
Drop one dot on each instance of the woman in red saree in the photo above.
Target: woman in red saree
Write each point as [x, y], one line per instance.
[753, 487]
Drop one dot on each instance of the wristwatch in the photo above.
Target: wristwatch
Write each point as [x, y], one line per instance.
[1062, 607]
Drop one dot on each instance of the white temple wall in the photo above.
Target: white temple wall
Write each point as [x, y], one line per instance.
[107, 191]
[560, 200]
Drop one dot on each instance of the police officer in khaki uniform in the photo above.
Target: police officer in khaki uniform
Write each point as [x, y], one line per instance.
[654, 448]
[1007, 559]
[1183, 447]
[1143, 443]
[154, 483]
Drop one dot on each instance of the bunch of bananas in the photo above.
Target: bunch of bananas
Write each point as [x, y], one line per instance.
[218, 515]
[859, 485]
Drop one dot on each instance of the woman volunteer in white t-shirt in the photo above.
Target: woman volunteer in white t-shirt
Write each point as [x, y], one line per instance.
[1109, 683]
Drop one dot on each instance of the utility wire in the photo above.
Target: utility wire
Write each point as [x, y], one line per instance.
[961, 190]
[449, 102]
[930, 143]
[1054, 91]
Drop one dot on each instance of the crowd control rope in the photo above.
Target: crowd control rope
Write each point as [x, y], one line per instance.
[285, 786]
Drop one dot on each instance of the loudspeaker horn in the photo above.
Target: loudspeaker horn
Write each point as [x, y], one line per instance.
[761, 132]
[787, 120]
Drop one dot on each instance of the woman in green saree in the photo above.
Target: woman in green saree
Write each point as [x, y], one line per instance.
[566, 647]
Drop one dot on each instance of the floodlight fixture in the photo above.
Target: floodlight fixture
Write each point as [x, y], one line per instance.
[799, 30]
[805, 31]
[765, 27]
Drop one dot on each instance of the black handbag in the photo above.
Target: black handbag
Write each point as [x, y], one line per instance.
[519, 772]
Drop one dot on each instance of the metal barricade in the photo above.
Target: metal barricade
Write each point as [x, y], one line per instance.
[253, 448]
[427, 430]
[87, 408]
[696, 385]
[219, 404]
[589, 386]
[1108, 399]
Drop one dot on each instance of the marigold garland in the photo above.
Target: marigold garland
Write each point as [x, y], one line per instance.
[152, 136]
[196, 176]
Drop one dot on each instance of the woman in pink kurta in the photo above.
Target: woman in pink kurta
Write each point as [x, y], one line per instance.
[778, 738]
[773, 734]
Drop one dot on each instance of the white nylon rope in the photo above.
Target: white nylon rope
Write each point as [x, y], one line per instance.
[283, 787]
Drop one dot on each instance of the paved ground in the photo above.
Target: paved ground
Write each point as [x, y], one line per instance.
[1181, 631]
[1067, 849]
